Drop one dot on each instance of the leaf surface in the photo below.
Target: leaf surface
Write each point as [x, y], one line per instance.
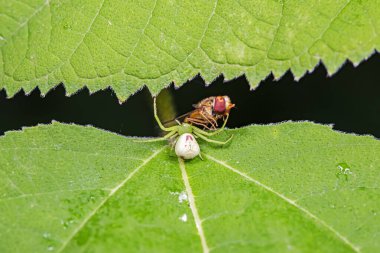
[290, 187]
[126, 44]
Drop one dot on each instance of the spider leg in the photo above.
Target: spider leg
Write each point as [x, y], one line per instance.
[204, 115]
[171, 134]
[172, 144]
[197, 130]
[213, 141]
[166, 129]
[198, 122]
[212, 122]
[215, 120]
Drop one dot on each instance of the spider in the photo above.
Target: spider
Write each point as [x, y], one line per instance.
[185, 145]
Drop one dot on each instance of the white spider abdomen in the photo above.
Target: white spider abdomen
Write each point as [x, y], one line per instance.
[187, 147]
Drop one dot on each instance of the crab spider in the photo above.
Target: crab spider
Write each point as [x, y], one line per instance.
[186, 146]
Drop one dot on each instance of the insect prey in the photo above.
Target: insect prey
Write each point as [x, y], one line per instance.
[208, 111]
[185, 134]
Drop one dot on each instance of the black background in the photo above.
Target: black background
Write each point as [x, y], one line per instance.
[350, 100]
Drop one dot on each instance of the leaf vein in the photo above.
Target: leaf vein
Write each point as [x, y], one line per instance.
[27, 195]
[104, 201]
[38, 10]
[277, 30]
[329, 24]
[203, 35]
[291, 202]
[142, 33]
[76, 47]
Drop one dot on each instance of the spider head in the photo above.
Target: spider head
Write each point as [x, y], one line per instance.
[185, 128]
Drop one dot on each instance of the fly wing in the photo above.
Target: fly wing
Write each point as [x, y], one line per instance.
[179, 118]
[208, 102]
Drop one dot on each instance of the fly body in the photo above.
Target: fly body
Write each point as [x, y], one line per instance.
[208, 111]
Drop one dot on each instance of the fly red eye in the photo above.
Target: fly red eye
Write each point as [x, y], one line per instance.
[219, 105]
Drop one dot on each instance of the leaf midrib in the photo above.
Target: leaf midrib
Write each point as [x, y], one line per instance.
[193, 207]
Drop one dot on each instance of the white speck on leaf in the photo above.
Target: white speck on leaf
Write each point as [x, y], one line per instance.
[182, 197]
[345, 171]
[46, 235]
[183, 218]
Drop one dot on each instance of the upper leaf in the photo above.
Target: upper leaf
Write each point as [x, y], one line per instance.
[126, 44]
[291, 187]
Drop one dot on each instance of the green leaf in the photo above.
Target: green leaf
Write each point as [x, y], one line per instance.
[127, 44]
[290, 187]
